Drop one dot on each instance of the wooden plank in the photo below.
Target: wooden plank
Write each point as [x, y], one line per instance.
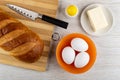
[44, 30]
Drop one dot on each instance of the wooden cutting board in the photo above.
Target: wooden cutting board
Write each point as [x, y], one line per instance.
[44, 29]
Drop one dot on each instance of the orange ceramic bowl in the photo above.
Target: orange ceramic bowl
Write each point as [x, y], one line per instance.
[66, 42]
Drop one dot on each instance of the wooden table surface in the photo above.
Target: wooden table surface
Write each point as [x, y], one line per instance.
[107, 65]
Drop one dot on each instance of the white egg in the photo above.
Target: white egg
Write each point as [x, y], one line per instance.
[81, 59]
[68, 55]
[79, 44]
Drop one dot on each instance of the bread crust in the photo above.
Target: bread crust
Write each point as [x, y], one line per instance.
[18, 40]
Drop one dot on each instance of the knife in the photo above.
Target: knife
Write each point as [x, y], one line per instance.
[34, 15]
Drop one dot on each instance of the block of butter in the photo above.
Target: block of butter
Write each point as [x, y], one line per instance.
[97, 18]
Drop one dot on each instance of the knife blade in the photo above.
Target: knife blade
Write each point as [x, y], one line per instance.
[34, 15]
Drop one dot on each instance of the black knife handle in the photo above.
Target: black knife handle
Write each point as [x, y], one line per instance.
[55, 21]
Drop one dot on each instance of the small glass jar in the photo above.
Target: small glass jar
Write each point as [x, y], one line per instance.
[71, 11]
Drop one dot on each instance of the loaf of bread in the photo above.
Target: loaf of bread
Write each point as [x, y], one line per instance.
[19, 41]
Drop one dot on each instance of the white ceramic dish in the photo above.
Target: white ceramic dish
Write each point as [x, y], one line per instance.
[86, 24]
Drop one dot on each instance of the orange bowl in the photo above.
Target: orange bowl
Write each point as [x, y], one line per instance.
[66, 42]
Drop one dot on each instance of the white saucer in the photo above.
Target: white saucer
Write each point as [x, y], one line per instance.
[86, 24]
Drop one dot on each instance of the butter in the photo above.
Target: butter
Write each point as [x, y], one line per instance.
[97, 18]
